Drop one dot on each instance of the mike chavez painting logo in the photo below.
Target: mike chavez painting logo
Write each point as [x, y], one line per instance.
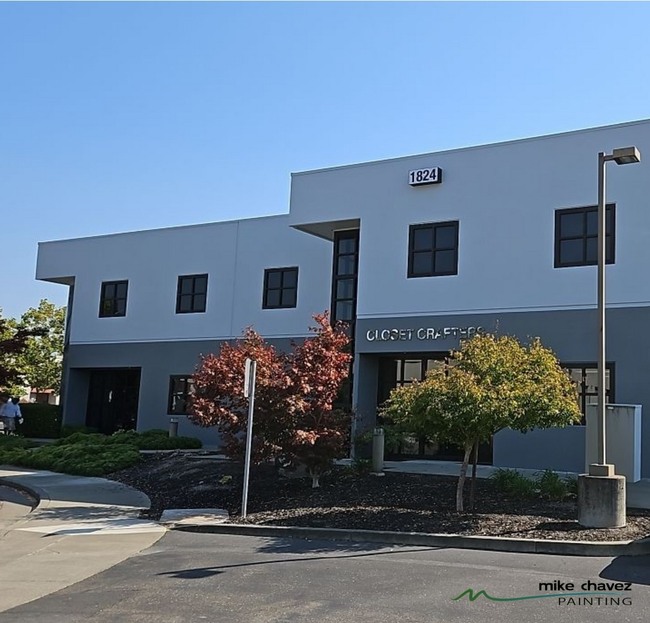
[588, 593]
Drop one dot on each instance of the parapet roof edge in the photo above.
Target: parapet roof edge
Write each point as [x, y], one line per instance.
[474, 147]
[170, 228]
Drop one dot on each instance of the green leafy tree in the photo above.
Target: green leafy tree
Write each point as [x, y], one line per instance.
[491, 383]
[40, 361]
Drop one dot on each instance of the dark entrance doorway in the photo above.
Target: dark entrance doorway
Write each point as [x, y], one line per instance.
[113, 400]
[396, 371]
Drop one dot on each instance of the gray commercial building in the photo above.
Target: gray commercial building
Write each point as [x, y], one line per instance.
[417, 252]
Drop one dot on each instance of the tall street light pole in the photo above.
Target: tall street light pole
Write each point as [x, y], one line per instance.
[601, 493]
[626, 155]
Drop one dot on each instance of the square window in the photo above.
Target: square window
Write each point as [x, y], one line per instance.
[280, 288]
[576, 236]
[191, 294]
[433, 249]
[112, 301]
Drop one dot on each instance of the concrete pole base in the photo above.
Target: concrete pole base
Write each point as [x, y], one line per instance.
[601, 501]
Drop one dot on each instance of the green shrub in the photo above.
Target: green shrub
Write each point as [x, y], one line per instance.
[90, 454]
[40, 420]
[511, 482]
[552, 486]
[155, 439]
[68, 430]
[83, 459]
[14, 441]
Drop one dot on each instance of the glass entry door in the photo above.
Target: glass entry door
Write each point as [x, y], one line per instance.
[113, 397]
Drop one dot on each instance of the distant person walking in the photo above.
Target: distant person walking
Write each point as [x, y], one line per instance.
[10, 412]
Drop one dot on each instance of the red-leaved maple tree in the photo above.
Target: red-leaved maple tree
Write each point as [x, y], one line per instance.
[294, 418]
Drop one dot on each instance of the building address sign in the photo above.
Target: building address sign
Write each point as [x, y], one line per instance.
[430, 175]
[422, 334]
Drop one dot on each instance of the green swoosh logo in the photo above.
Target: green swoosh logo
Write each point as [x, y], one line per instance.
[472, 596]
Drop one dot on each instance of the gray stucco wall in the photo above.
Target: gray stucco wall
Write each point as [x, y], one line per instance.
[157, 361]
[559, 449]
[571, 334]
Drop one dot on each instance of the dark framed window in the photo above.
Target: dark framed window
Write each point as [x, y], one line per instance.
[433, 249]
[181, 387]
[280, 288]
[192, 293]
[112, 300]
[345, 270]
[576, 236]
[585, 378]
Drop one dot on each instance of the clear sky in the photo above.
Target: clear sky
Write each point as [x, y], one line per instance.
[121, 116]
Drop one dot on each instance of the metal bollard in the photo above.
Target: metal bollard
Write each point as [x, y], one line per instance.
[378, 451]
[173, 427]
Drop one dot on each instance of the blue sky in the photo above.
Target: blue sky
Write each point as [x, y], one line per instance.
[121, 116]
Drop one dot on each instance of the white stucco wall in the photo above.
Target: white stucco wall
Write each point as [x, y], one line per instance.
[504, 197]
[234, 254]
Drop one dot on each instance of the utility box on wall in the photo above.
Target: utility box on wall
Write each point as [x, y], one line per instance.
[623, 439]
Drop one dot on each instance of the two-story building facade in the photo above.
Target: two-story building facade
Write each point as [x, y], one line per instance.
[417, 252]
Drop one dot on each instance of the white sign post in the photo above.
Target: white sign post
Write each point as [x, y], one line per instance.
[249, 392]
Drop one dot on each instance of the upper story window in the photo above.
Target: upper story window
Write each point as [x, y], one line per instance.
[181, 388]
[433, 249]
[344, 276]
[576, 236]
[191, 294]
[280, 288]
[112, 300]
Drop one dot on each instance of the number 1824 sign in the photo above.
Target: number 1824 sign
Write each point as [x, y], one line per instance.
[431, 175]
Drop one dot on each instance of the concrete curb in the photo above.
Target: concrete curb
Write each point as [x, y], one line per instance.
[488, 543]
[40, 495]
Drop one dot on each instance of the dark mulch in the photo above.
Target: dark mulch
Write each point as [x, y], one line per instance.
[401, 502]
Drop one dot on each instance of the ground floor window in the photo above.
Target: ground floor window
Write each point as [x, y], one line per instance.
[585, 377]
[180, 390]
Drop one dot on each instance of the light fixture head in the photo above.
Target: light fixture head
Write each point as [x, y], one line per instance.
[626, 155]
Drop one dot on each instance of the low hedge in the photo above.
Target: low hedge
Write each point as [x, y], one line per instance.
[40, 420]
[90, 454]
[79, 459]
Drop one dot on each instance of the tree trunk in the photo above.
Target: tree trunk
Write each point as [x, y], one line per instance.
[315, 478]
[472, 486]
[461, 478]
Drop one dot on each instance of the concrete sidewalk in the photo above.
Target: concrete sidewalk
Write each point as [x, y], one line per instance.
[80, 527]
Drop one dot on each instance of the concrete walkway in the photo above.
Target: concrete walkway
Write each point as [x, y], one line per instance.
[80, 527]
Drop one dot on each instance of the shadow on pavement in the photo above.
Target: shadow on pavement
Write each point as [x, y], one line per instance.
[206, 572]
[635, 569]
